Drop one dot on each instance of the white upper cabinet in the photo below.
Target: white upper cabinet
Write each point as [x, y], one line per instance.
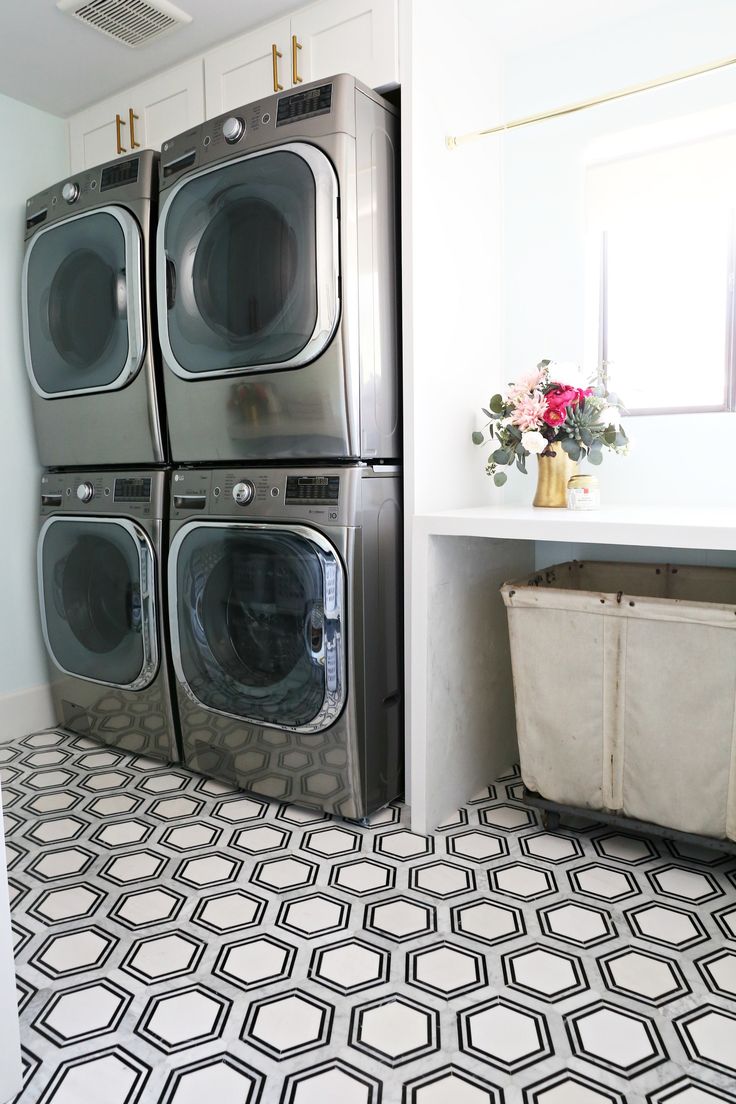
[247, 68]
[142, 116]
[359, 37]
[333, 36]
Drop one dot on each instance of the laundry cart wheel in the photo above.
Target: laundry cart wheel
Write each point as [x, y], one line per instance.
[550, 820]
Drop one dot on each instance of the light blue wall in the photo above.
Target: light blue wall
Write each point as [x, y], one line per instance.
[34, 154]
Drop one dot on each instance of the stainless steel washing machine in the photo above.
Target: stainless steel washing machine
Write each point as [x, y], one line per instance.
[86, 291]
[284, 606]
[100, 555]
[277, 291]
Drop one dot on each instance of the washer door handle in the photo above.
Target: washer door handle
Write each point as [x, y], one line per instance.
[170, 283]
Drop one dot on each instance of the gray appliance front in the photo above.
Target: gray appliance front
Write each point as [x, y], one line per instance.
[285, 632]
[86, 321]
[99, 587]
[276, 294]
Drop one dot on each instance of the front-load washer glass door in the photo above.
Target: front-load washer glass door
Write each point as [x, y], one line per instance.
[247, 264]
[258, 622]
[82, 304]
[96, 580]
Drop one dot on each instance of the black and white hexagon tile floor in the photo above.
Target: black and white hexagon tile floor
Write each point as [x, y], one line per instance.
[179, 941]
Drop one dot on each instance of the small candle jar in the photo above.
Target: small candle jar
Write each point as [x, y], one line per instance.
[583, 493]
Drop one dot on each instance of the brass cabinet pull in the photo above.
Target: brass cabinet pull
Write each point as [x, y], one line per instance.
[295, 45]
[133, 119]
[275, 55]
[118, 125]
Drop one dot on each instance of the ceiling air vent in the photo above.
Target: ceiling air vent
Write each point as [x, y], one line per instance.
[133, 22]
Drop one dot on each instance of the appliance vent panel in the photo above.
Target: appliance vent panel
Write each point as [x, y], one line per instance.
[132, 22]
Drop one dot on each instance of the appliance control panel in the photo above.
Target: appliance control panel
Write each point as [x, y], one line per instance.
[130, 494]
[124, 179]
[246, 494]
[315, 110]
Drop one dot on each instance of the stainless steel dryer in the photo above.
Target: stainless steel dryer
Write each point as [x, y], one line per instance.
[276, 268]
[87, 317]
[284, 606]
[100, 557]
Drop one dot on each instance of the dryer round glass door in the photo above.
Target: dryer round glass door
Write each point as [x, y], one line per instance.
[248, 264]
[96, 584]
[83, 314]
[257, 622]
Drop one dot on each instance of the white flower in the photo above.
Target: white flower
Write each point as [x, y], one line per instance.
[564, 371]
[533, 441]
[610, 415]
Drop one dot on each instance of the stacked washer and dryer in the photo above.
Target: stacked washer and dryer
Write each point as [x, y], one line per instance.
[276, 304]
[96, 400]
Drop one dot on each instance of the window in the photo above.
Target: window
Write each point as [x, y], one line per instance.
[661, 233]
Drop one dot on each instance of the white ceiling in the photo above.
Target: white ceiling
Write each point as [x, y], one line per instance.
[52, 61]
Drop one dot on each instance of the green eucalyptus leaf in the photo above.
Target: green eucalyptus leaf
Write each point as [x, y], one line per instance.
[595, 457]
[609, 435]
[621, 439]
[500, 478]
[477, 438]
[496, 404]
[571, 447]
[501, 456]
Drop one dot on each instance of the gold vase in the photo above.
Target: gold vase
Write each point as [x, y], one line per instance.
[555, 468]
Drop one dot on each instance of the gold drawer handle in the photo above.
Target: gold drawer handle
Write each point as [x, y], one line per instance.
[295, 45]
[118, 138]
[133, 119]
[275, 55]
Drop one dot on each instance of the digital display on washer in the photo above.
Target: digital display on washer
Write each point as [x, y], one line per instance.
[305, 105]
[132, 490]
[115, 175]
[314, 490]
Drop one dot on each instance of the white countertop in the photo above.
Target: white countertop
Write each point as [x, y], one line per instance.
[656, 526]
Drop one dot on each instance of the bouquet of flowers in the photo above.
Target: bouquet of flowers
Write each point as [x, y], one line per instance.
[538, 411]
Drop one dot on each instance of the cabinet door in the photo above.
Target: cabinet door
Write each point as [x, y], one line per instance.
[242, 71]
[92, 135]
[359, 37]
[164, 106]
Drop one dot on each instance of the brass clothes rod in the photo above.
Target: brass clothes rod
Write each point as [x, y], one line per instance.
[453, 141]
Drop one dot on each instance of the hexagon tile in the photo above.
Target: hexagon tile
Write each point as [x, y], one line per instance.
[178, 940]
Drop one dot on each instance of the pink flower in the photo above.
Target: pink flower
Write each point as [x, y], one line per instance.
[530, 411]
[525, 384]
[559, 398]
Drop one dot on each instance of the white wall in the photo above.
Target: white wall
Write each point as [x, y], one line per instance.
[34, 154]
[543, 266]
[451, 248]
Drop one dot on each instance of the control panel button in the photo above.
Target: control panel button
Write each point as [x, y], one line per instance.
[243, 492]
[85, 492]
[70, 192]
[233, 129]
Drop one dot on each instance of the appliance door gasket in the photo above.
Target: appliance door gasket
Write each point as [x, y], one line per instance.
[334, 700]
[147, 579]
[327, 255]
[134, 287]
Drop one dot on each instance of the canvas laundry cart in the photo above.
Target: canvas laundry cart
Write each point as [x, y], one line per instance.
[625, 687]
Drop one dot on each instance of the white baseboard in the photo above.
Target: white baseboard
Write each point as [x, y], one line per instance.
[25, 711]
